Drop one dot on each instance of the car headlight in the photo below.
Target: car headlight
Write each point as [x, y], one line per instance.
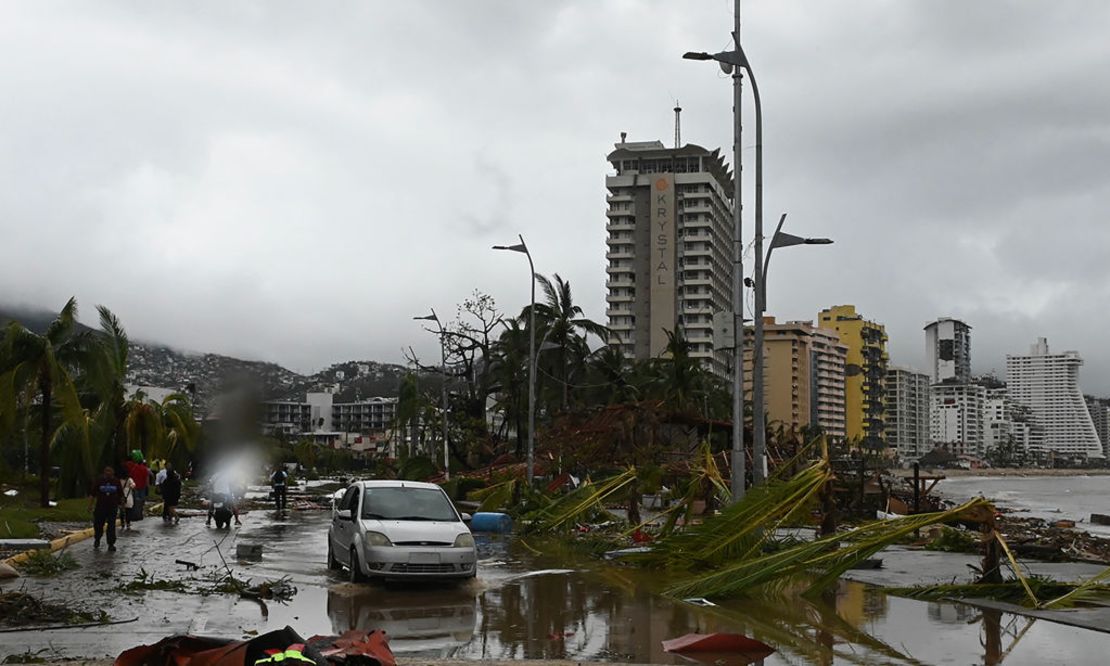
[377, 539]
[464, 540]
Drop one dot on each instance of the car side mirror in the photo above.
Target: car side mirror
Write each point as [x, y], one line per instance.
[466, 517]
[343, 514]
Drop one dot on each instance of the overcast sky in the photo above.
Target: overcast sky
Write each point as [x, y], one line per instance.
[294, 181]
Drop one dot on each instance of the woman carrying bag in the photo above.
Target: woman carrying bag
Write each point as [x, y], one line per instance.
[128, 500]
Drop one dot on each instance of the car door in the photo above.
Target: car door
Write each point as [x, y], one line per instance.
[342, 530]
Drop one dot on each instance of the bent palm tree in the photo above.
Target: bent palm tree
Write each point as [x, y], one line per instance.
[40, 365]
[566, 325]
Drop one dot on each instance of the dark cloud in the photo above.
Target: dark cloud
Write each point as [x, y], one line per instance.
[291, 181]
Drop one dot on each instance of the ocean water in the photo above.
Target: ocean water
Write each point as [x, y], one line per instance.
[1049, 497]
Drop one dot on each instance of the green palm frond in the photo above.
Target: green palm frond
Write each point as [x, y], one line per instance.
[576, 505]
[816, 564]
[740, 530]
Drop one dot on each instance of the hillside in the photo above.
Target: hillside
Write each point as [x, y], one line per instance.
[151, 364]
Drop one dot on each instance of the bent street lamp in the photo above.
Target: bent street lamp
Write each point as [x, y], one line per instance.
[523, 249]
[443, 390]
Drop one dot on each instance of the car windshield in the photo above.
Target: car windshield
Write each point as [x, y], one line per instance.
[407, 504]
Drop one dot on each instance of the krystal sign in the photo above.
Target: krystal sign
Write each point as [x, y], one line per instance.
[663, 261]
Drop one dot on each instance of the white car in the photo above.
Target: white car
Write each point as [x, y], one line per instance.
[400, 530]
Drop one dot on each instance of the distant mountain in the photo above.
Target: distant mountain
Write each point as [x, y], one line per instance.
[152, 364]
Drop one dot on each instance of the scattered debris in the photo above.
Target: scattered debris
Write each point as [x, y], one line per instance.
[44, 564]
[248, 551]
[699, 601]
[1100, 519]
[953, 540]
[18, 609]
[191, 566]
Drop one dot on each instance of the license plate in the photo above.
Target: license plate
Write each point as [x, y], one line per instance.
[423, 558]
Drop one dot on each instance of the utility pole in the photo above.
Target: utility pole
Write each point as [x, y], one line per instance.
[739, 461]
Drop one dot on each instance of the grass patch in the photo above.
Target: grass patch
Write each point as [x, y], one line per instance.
[19, 515]
[44, 564]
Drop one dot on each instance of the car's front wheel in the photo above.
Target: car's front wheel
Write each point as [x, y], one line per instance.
[356, 569]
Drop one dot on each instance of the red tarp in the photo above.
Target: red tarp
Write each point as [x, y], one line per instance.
[354, 646]
[719, 648]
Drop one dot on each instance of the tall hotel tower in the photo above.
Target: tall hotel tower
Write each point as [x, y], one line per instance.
[669, 248]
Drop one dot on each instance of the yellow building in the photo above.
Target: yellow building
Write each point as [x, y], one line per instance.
[866, 365]
[803, 376]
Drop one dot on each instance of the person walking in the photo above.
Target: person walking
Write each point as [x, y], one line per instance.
[140, 473]
[105, 496]
[220, 486]
[278, 482]
[128, 502]
[171, 494]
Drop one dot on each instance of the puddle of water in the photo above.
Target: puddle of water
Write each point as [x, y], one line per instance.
[577, 609]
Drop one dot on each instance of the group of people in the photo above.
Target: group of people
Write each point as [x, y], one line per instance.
[123, 497]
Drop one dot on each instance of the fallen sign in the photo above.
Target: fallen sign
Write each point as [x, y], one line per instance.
[718, 648]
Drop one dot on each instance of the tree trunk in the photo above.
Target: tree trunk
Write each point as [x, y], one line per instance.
[44, 449]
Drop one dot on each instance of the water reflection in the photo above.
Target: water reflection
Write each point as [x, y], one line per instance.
[517, 611]
[417, 619]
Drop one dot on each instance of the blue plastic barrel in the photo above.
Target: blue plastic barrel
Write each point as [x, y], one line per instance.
[491, 523]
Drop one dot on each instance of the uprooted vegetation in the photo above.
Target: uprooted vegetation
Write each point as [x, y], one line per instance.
[18, 609]
[44, 564]
[752, 547]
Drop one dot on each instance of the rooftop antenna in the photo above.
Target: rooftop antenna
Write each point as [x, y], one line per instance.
[677, 125]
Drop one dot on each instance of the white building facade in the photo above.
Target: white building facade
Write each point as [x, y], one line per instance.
[956, 418]
[1048, 384]
[907, 412]
[668, 249]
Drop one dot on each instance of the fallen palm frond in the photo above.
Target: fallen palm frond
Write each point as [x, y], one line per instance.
[1012, 591]
[740, 531]
[1085, 592]
[577, 504]
[818, 563]
[495, 497]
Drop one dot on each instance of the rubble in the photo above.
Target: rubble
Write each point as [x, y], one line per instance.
[18, 609]
[1039, 539]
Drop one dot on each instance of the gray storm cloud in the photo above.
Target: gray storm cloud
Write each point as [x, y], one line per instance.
[293, 181]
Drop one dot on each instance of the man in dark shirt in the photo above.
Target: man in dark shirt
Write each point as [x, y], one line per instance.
[105, 496]
[278, 481]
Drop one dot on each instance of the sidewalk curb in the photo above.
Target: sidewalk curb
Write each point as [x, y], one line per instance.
[61, 542]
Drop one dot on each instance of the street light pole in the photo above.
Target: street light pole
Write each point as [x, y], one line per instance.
[523, 248]
[443, 391]
[733, 62]
[759, 426]
[779, 239]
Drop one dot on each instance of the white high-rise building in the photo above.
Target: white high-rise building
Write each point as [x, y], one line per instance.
[948, 351]
[956, 418]
[1100, 416]
[1048, 384]
[1005, 422]
[907, 412]
[669, 248]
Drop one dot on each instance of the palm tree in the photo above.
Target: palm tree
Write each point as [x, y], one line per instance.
[106, 376]
[565, 326]
[40, 365]
[679, 378]
[161, 430]
[509, 370]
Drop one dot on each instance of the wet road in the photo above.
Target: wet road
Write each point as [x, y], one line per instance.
[513, 610]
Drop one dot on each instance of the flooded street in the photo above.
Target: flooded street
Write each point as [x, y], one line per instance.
[529, 601]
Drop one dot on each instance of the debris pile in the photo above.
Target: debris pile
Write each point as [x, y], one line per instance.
[18, 609]
[1037, 538]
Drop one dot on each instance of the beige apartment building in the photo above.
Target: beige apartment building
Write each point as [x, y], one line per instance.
[803, 371]
[669, 248]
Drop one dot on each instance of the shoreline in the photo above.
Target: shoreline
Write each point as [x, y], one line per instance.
[1010, 471]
